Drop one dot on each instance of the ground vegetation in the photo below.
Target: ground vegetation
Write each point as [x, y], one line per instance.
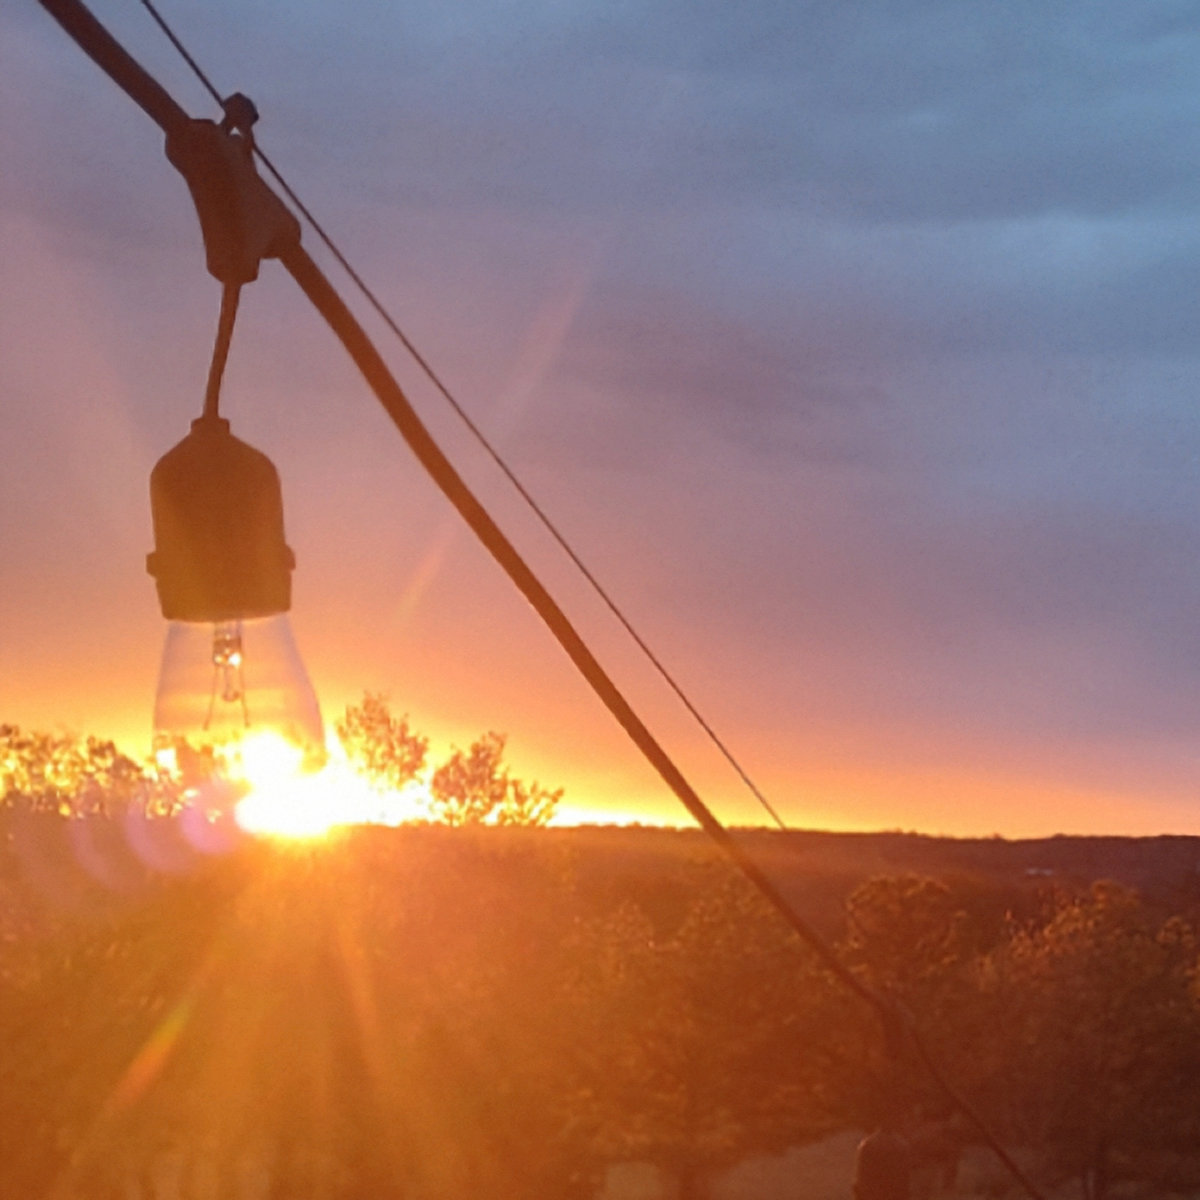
[466, 1007]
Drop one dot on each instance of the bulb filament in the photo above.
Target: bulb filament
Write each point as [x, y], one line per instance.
[227, 663]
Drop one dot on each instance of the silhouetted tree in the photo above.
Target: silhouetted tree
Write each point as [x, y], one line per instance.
[474, 787]
[471, 787]
[707, 1039]
[1103, 1034]
[75, 776]
[382, 746]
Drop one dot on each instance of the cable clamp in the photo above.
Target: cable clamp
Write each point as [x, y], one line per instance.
[241, 219]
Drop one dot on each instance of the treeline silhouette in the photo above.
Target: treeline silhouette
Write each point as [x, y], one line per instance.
[76, 776]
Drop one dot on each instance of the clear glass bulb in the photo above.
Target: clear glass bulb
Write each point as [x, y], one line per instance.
[222, 684]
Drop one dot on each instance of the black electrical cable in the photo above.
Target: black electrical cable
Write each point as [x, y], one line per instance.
[229, 307]
[897, 1025]
[90, 34]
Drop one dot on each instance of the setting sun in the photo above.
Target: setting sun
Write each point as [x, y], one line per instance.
[284, 800]
[281, 795]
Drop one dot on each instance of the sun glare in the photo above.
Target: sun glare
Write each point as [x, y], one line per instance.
[285, 800]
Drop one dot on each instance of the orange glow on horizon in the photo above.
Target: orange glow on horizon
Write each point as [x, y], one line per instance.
[284, 800]
[609, 785]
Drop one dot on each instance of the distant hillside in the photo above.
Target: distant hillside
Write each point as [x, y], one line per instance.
[818, 870]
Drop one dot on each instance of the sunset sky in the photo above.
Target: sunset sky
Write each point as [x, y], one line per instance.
[853, 346]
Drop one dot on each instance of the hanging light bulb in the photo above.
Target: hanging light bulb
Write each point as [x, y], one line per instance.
[232, 679]
[221, 683]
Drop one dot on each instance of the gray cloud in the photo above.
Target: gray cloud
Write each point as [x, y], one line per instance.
[920, 112]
